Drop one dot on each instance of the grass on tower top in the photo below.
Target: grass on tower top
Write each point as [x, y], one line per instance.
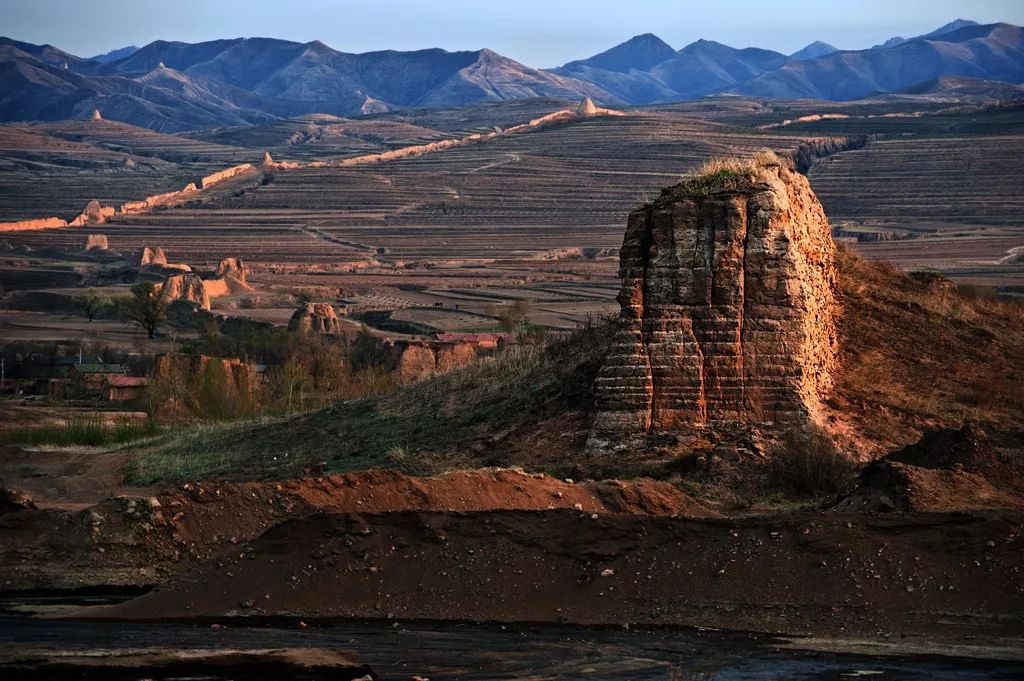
[722, 174]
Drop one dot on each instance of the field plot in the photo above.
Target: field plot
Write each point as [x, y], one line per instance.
[446, 240]
[958, 202]
[54, 169]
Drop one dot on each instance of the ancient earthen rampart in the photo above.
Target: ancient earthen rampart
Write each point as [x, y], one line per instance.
[97, 214]
[728, 308]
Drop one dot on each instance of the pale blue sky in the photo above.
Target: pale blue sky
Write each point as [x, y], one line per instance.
[540, 33]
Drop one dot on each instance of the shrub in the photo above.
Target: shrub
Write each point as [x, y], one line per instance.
[807, 463]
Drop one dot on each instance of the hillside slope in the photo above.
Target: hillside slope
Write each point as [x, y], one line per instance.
[916, 354]
[993, 52]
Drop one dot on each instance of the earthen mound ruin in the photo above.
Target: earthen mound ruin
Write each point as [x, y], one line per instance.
[96, 242]
[728, 308]
[185, 288]
[234, 272]
[315, 318]
[151, 256]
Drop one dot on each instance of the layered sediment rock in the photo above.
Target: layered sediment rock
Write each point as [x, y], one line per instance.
[315, 318]
[728, 308]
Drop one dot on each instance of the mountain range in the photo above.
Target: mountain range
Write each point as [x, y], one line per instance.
[175, 86]
[645, 69]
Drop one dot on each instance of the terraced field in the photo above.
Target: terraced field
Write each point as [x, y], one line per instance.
[320, 136]
[54, 169]
[953, 203]
[442, 240]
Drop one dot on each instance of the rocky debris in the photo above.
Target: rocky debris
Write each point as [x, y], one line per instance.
[199, 519]
[946, 470]
[96, 242]
[12, 500]
[315, 318]
[268, 161]
[789, 572]
[586, 107]
[728, 307]
[186, 288]
[96, 115]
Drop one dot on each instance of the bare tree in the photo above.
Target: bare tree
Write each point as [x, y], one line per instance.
[146, 307]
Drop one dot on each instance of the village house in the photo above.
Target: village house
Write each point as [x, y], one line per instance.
[125, 388]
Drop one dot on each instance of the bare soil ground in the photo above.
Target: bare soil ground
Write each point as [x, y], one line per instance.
[933, 576]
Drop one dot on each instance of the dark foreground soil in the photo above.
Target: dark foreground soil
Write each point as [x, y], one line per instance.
[927, 548]
[143, 541]
[310, 664]
[937, 576]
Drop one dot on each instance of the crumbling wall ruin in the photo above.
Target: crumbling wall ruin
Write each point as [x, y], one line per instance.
[728, 308]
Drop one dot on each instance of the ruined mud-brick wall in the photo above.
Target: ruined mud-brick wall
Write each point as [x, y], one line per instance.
[415, 361]
[728, 309]
[315, 318]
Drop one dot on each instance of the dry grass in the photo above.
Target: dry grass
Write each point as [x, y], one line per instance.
[726, 173]
[919, 352]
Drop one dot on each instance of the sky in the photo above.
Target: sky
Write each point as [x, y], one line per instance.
[539, 33]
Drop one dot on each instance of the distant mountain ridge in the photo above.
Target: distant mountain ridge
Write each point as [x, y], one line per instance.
[960, 48]
[114, 55]
[814, 50]
[176, 86]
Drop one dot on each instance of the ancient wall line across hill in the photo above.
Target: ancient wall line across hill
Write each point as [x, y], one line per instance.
[95, 214]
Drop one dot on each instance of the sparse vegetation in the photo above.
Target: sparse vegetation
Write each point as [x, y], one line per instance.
[90, 432]
[725, 173]
[808, 464]
[92, 303]
[433, 422]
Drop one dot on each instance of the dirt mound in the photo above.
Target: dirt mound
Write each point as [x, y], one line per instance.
[795, 573]
[12, 500]
[245, 509]
[997, 456]
[139, 541]
[946, 470]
